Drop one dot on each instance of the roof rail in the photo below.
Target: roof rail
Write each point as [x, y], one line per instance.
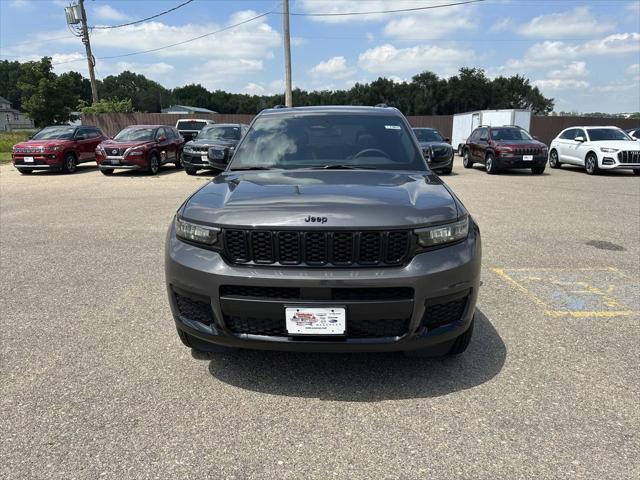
[382, 105]
[279, 106]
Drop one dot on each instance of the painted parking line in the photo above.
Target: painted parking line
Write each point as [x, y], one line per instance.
[579, 292]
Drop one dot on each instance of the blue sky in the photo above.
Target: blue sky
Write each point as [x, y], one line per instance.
[584, 54]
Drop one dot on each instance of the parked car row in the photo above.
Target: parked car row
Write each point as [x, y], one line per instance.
[148, 147]
[137, 147]
[594, 148]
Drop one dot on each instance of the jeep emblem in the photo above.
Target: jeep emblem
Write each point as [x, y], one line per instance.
[316, 219]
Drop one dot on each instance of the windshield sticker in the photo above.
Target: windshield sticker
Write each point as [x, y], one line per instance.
[392, 127]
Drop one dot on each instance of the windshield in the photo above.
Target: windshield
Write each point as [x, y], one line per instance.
[135, 134]
[321, 140]
[427, 135]
[600, 134]
[190, 125]
[55, 133]
[219, 132]
[506, 134]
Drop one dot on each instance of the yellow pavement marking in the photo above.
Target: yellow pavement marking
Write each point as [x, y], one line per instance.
[587, 289]
[505, 276]
[584, 313]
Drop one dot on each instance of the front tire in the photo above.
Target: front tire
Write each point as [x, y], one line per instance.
[69, 163]
[25, 171]
[636, 171]
[591, 164]
[490, 165]
[154, 164]
[106, 171]
[178, 162]
[447, 171]
[466, 160]
[191, 171]
[554, 161]
[462, 342]
[538, 170]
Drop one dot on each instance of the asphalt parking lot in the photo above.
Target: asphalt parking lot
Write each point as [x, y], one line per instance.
[95, 383]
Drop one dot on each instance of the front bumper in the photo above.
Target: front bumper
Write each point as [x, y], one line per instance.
[516, 161]
[436, 163]
[121, 163]
[200, 160]
[438, 277]
[41, 161]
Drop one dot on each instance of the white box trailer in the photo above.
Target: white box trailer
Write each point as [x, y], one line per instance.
[465, 123]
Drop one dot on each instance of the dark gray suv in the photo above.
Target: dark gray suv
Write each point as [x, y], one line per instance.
[327, 232]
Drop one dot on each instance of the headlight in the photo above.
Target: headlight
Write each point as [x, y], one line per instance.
[441, 234]
[54, 148]
[135, 152]
[195, 232]
[188, 148]
[608, 150]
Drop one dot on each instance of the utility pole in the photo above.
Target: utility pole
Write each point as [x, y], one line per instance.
[288, 94]
[87, 45]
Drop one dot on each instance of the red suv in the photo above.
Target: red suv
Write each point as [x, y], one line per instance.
[503, 148]
[140, 147]
[60, 147]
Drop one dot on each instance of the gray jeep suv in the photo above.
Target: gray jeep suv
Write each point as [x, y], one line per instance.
[327, 232]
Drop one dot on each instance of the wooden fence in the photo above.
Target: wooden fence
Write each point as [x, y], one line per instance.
[543, 127]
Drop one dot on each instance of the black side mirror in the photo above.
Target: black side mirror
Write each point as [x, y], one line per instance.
[447, 140]
[218, 154]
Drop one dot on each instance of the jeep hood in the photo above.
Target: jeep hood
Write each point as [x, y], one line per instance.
[348, 199]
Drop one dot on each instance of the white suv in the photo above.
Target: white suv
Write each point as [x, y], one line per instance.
[595, 148]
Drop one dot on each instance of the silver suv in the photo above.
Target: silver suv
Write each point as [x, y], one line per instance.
[326, 232]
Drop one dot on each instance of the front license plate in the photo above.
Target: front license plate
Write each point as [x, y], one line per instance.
[316, 321]
[28, 159]
[115, 161]
[527, 158]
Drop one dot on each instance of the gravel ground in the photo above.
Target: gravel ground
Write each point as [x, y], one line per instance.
[95, 383]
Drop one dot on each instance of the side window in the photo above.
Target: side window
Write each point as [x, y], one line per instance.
[161, 133]
[581, 133]
[82, 134]
[475, 135]
[93, 133]
[567, 134]
[169, 133]
[484, 134]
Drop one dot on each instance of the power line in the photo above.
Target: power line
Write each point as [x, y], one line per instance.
[107, 27]
[413, 9]
[229, 27]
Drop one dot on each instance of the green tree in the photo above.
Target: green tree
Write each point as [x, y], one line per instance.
[9, 76]
[44, 98]
[146, 95]
[106, 106]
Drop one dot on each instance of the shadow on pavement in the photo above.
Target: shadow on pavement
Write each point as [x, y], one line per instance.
[363, 377]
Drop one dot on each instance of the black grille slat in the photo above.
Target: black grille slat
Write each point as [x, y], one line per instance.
[378, 327]
[629, 156]
[289, 252]
[262, 247]
[316, 248]
[370, 248]
[397, 247]
[343, 248]
[256, 325]
[385, 293]
[287, 293]
[236, 245]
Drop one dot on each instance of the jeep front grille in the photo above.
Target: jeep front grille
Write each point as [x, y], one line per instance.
[316, 248]
[629, 156]
[527, 151]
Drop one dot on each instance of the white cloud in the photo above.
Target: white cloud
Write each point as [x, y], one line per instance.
[560, 84]
[270, 88]
[346, 6]
[335, 67]
[147, 69]
[107, 12]
[387, 59]
[502, 25]
[571, 71]
[552, 53]
[22, 4]
[431, 24]
[576, 22]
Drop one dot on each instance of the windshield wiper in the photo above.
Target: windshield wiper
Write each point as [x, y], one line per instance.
[250, 167]
[340, 166]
